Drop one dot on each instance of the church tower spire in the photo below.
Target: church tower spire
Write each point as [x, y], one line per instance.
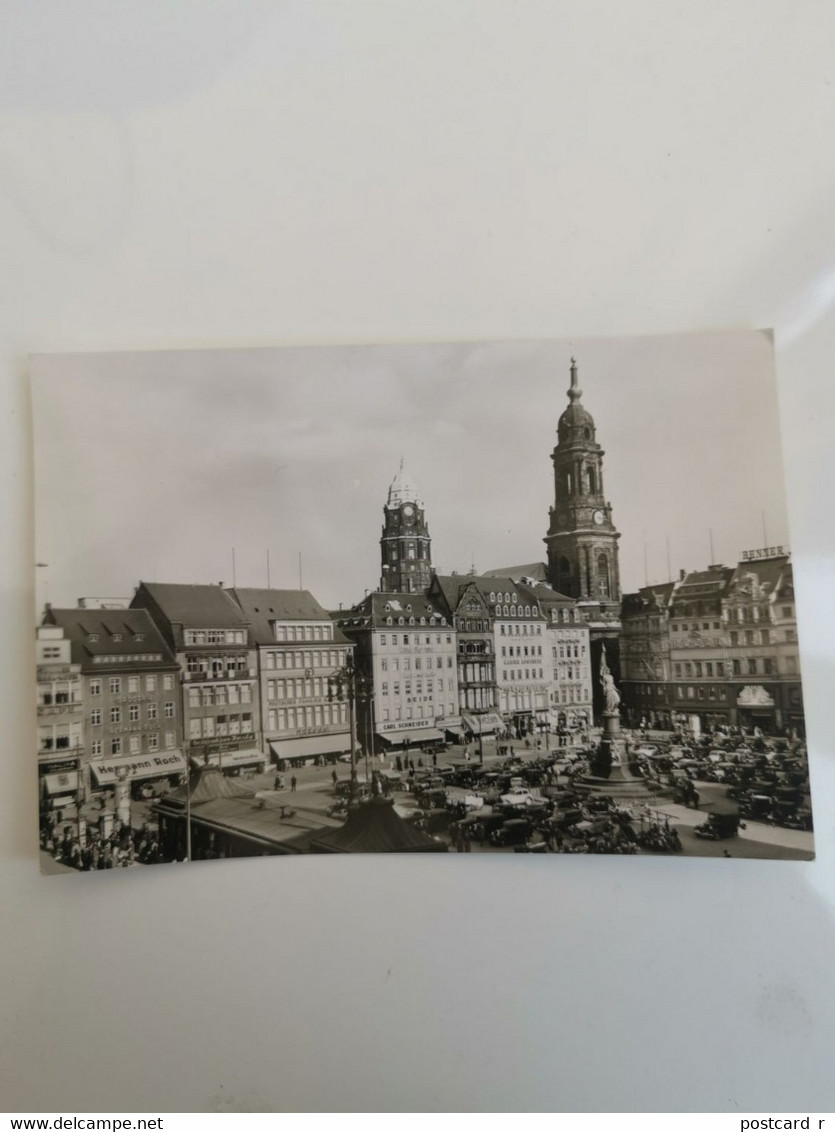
[582, 540]
[405, 546]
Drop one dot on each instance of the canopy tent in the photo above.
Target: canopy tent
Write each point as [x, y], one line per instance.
[374, 827]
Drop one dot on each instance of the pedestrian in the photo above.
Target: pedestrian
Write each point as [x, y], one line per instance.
[292, 782]
[334, 776]
[277, 783]
[434, 759]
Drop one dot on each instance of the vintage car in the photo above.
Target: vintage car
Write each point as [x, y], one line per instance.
[513, 832]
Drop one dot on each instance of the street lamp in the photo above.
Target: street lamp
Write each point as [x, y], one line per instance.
[355, 686]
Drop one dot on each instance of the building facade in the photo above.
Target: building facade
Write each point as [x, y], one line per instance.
[568, 651]
[646, 673]
[210, 639]
[523, 669]
[132, 730]
[300, 650]
[465, 599]
[60, 718]
[407, 653]
[405, 546]
[719, 647]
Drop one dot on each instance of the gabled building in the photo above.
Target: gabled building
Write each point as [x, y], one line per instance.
[465, 600]
[568, 651]
[762, 650]
[698, 657]
[523, 668]
[299, 650]
[406, 651]
[130, 690]
[210, 638]
[646, 673]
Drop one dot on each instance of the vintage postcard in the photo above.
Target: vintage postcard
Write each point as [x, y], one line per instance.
[530, 597]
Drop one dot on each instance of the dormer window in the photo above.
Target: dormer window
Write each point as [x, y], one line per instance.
[117, 636]
[93, 637]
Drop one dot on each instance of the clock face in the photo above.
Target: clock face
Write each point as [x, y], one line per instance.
[408, 511]
[598, 518]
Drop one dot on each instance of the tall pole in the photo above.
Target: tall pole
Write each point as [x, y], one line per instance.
[188, 809]
[669, 567]
[765, 533]
[268, 570]
[710, 534]
[234, 580]
[352, 794]
[301, 587]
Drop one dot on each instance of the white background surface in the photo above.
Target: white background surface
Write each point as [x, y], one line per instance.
[184, 175]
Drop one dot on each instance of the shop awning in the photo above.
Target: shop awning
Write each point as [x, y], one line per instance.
[312, 745]
[229, 758]
[65, 783]
[108, 771]
[416, 735]
[484, 724]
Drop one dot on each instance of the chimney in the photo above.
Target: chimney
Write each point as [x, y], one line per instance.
[682, 574]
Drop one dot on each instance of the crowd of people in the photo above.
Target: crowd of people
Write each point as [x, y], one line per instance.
[88, 848]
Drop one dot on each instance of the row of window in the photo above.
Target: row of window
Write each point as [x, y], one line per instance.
[297, 689]
[129, 658]
[58, 694]
[407, 663]
[529, 674]
[133, 715]
[315, 658]
[571, 694]
[535, 650]
[474, 626]
[322, 632]
[407, 687]
[208, 696]
[322, 715]
[214, 637]
[413, 638]
[751, 666]
[211, 727]
[565, 652]
[218, 666]
[565, 672]
[419, 711]
[131, 683]
[134, 744]
[520, 630]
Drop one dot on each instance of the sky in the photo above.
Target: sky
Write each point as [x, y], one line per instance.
[154, 466]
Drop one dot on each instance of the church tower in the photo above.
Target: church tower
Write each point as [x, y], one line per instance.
[405, 548]
[582, 540]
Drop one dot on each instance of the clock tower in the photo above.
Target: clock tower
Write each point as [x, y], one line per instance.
[582, 540]
[405, 548]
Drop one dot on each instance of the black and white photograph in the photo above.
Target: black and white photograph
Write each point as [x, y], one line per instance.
[521, 597]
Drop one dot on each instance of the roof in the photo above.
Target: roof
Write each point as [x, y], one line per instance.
[256, 819]
[207, 783]
[768, 573]
[374, 827]
[127, 637]
[262, 607]
[536, 570]
[375, 610]
[193, 607]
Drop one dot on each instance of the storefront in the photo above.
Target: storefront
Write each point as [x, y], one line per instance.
[487, 724]
[306, 750]
[108, 772]
[59, 789]
[756, 708]
[396, 735]
[232, 762]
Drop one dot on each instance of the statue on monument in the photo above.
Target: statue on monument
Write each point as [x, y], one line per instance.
[610, 692]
